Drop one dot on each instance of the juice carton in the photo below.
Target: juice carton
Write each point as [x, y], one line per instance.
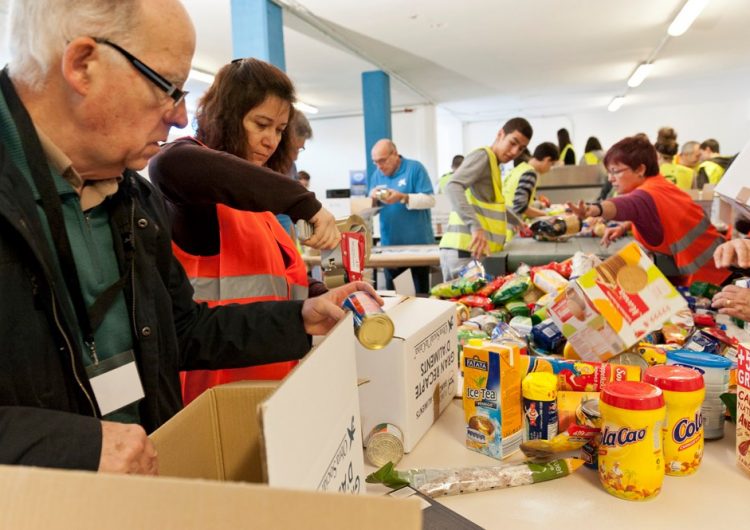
[492, 398]
[612, 306]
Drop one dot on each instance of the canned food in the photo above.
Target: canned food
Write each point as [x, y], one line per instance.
[384, 444]
[303, 229]
[382, 193]
[373, 328]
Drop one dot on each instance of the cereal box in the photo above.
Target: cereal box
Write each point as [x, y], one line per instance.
[743, 407]
[612, 306]
[492, 398]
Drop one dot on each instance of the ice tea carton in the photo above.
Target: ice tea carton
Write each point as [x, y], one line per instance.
[743, 407]
[492, 398]
[612, 306]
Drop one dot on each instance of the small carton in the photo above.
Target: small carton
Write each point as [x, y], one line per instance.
[412, 379]
[743, 408]
[492, 398]
[612, 306]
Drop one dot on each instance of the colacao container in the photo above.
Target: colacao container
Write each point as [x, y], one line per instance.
[631, 457]
[715, 370]
[684, 391]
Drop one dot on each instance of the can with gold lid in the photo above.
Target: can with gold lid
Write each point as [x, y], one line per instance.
[684, 392]
[384, 444]
[373, 328]
[631, 456]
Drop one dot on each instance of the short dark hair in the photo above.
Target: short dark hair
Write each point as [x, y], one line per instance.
[520, 125]
[711, 144]
[547, 149]
[592, 144]
[457, 161]
[632, 152]
[303, 175]
[238, 88]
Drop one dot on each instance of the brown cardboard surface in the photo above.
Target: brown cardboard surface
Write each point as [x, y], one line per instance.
[35, 498]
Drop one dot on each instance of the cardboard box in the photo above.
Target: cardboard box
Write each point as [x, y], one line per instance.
[734, 187]
[612, 306]
[413, 379]
[492, 398]
[300, 434]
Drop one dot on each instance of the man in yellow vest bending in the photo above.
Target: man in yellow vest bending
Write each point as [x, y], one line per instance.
[477, 224]
[519, 187]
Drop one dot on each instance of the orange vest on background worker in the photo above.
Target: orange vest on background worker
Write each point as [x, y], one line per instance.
[257, 261]
[689, 236]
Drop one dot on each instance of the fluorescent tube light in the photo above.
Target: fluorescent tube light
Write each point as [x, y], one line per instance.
[616, 103]
[304, 107]
[640, 74]
[201, 76]
[686, 17]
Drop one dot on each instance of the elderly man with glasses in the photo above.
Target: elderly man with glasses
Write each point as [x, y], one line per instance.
[97, 316]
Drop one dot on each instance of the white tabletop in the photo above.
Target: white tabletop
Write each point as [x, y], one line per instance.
[715, 497]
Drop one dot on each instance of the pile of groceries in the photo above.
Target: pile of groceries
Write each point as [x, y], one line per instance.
[602, 364]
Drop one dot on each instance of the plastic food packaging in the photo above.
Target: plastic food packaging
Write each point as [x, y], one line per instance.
[551, 228]
[440, 482]
[458, 287]
[511, 290]
[476, 300]
[549, 281]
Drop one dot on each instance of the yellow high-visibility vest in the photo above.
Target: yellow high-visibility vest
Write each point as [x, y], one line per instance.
[490, 215]
[681, 176]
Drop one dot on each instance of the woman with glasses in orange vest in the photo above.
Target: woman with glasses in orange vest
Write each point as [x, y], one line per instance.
[663, 218]
[223, 188]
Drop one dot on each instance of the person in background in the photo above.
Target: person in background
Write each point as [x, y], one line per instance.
[525, 156]
[304, 178]
[299, 133]
[91, 89]
[455, 163]
[477, 222]
[689, 155]
[664, 218]
[593, 153]
[519, 187]
[666, 148]
[403, 188]
[567, 154]
[712, 165]
[221, 200]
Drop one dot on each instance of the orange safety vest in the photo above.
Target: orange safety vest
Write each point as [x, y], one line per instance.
[257, 261]
[689, 236]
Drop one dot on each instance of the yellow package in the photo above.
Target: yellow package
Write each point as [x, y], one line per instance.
[492, 398]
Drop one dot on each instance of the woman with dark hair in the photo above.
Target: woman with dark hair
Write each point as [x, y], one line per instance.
[666, 148]
[593, 153]
[221, 188]
[663, 218]
[567, 154]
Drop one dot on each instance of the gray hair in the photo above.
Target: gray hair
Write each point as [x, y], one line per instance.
[301, 126]
[38, 31]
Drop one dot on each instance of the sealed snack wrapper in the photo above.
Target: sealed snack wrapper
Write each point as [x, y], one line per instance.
[441, 482]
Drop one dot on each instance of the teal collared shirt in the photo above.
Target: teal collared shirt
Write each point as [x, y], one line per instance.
[96, 262]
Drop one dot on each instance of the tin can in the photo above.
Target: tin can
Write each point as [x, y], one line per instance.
[384, 444]
[539, 390]
[373, 328]
[587, 414]
[631, 456]
[303, 230]
[684, 392]
[382, 194]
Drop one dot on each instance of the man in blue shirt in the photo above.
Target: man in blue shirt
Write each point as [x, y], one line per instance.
[403, 188]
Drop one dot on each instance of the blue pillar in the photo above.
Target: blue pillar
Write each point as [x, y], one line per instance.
[257, 31]
[376, 101]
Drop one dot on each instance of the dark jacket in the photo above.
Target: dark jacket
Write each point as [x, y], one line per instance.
[47, 409]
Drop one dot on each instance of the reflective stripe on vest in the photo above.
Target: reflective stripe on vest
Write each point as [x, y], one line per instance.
[490, 216]
[510, 183]
[240, 287]
[688, 236]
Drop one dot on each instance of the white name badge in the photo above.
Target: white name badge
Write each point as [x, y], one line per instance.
[118, 386]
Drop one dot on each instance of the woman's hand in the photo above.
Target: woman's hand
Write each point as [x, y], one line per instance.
[326, 235]
[733, 301]
[579, 210]
[321, 313]
[734, 252]
[614, 233]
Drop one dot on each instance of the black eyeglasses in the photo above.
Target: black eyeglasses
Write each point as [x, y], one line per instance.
[149, 73]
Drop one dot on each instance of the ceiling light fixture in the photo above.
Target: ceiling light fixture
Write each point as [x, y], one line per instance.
[686, 17]
[616, 103]
[640, 74]
[306, 108]
[201, 76]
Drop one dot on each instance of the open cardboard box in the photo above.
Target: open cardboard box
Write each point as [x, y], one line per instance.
[413, 379]
[300, 435]
[734, 187]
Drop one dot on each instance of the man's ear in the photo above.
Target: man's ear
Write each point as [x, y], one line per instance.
[79, 63]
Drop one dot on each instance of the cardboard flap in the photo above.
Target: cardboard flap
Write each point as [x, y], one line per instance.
[413, 313]
[311, 424]
[36, 498]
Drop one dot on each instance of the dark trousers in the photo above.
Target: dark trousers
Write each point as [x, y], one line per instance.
[420, 275]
